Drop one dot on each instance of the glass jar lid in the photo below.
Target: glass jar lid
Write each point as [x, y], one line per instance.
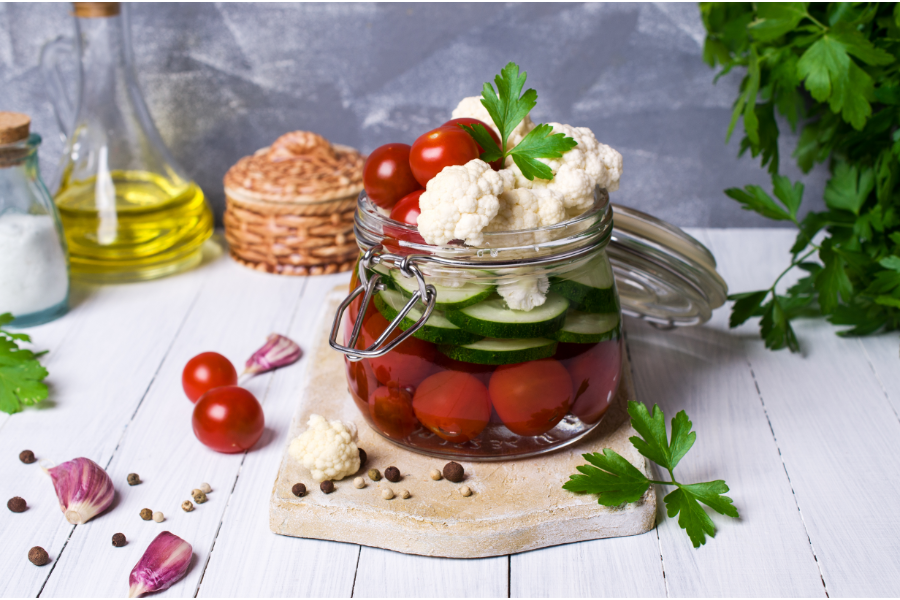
[663, 275]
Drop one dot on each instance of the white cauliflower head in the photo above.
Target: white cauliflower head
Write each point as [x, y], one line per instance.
[472, 108]
[524, 293]
[459, 202]
[528, 209]
[327, 448]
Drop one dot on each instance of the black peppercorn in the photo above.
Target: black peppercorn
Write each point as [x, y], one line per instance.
[363, 458]
[38, 556]
[298, 490]
[392, 474]
[17, 504]
[119, 540]
[327, 486]
[27, 457]
[453, 471]
[133, 479]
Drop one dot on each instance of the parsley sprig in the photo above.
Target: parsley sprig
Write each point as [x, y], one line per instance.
[21, 375]
[507, 107]
[617, 481]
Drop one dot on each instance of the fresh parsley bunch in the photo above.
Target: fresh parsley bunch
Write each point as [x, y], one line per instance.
[832, 70]
[21, 375]
[616, 481]
[507, 107]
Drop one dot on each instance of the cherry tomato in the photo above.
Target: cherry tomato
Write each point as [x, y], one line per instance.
[497, 164]
[454, 405]
[482, 372]
[439, 148]
[595, 379]
[228, 419]
[391, 409]
[205, 372]
[387, 176]
[407, 208]
[360, 379]
[531, 398]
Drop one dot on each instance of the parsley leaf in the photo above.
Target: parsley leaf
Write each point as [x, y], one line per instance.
[21, 375]
[612, 478]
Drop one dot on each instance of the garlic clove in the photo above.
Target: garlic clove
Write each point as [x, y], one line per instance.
[278, 351]
[83, 488]
[164, 562]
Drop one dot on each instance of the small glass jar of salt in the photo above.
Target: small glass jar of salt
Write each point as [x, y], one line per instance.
[34, 269]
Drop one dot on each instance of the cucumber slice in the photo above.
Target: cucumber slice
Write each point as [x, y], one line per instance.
[588, 328]
[501, 352]
[448, 298]
[591, 288]
[493, 318]
[437, 328]
[385, 273]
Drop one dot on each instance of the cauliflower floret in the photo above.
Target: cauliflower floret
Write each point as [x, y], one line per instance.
[472, 108]
[528, 209]
[525, 293]
[327, 448]
[459, 202]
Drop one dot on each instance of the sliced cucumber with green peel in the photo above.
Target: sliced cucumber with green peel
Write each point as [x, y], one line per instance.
[590, 288]
[448, 298]
[437, 329]
[494, 319]
[501, 352]
[588, 328]
[385, 273]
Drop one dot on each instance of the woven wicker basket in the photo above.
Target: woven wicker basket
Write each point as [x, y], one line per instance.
[290, 207]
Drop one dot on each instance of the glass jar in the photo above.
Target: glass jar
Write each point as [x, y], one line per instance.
[34, 273]
[437, 362]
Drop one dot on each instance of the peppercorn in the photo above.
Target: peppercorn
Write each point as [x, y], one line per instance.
[119, 540]
[298, 490]
[199, 497]
[27, 457]
[374, 475]
[465, 490]
[159, 517]
[387, 493]
[453, 471]
[404, 494]
[133, 479]
[146, 514]
[359, 483]
[195, 491]
[363, 458]
[38, 556]
[187, 506]
[327, 486]
[204, 487]
[392, 474]
[436, 475]
[17, 504]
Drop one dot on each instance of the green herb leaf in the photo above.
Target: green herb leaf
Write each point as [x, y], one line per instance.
[832, 281]
[506, 106]
[745, 306]
[612, 478]
[692, 519]
[848, 188]
[774, 19]
[754, 198]
[21, 375]
[490, 150]
[540, 142]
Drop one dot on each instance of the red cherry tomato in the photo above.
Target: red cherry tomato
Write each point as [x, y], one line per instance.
[595, 379]
[482, 372]
[407, 209]
[439, 148]
[497, 164]
[387, 176]
[454, 405]
[531, 398]
[228, 419]
[391, 409]
[205, 372]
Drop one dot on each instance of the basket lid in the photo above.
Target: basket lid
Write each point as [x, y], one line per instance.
[663, 275]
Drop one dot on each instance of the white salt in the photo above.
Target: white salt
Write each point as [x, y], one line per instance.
[33, 271]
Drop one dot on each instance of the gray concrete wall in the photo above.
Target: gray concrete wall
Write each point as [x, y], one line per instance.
[223, 80]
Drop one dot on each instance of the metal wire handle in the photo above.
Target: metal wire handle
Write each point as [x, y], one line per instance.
[407, 267]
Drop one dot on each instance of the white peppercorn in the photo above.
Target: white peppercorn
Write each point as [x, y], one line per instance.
[436, 475]
[404, 494]
[387, 493]
[204, 487]
[159, 517]
[359, 482]
[465, 490]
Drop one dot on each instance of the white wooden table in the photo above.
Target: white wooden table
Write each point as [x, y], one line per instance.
[810, 446]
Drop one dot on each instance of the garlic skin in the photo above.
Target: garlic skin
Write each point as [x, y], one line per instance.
[164, 562]
[83, 488]
[278, 351]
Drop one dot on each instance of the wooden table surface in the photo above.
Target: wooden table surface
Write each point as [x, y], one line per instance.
[809, 444]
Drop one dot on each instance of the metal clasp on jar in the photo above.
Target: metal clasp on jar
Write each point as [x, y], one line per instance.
[370, 286]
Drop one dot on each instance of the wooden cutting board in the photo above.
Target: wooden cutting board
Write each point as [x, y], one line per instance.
[515, 506]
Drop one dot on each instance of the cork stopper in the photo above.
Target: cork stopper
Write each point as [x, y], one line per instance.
[14, 127]
[92, 10]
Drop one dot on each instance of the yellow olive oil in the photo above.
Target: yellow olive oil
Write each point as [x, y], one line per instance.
[132, 225]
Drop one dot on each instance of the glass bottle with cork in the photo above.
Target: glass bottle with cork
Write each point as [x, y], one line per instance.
[128, 210]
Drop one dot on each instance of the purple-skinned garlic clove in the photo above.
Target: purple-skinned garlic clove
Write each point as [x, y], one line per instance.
[83, 488]
[279, 351]
[164, 562]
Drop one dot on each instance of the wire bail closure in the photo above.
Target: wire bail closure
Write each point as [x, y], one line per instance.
[370, 285]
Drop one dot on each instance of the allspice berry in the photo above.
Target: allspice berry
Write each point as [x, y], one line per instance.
[374, 475]
[17, 504]
[27, 457]
[187, 506]
[146, 514]
[38, 556]
[392, 474]
[298, 490]
[453, 471]
[327, 486]
[363, 458]
[119, 540]
[133, 479]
